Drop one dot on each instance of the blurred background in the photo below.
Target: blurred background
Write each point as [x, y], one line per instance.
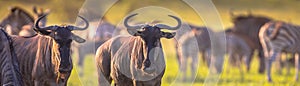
[66, 11]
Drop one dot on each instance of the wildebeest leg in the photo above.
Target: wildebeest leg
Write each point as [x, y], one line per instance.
[183, 66]
[230, 60]
[78, 55]
[103, 61]
[273, 54]
[104, 78]
[81, 55]
[178, 55]
[203, 56]
[261, 61]
[249, 60]
[153, 82]
[208, 57]
[158, 83]
[194, 65]
[297, 65]
[240, 65]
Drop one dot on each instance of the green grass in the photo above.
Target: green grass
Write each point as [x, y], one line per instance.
[277, 9]
[227, 78]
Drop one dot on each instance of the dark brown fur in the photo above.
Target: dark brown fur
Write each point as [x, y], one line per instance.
[249, 25]
[38, 61]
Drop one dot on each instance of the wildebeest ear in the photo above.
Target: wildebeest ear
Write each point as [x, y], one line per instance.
[78, 39]
[168, 35]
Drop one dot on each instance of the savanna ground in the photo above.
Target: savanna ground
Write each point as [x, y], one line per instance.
[65, 11]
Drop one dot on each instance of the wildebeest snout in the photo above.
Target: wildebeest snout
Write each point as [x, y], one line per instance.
[65, 69]
[147, 67]
[147, 63]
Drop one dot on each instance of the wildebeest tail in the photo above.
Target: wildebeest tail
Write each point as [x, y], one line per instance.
[9, 66]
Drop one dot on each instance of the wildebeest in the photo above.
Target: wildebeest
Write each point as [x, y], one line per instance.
[45, 58]
[249, 25]
[277, 37]
[187, 48]
[9, 67]
[239, 50]
[18, 17]
[134, 60]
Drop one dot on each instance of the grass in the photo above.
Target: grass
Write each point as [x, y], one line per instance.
[227, 78]
[276, 9]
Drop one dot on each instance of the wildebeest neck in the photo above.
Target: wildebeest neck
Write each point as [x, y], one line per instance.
[150, 53]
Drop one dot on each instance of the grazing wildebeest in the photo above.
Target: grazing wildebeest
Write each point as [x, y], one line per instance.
[136, 60]
[187, 48]
[45, 58]
[9, 67]
[239, 50]
[18, 17]
[249, 25]
[104, 31]
[277, 37]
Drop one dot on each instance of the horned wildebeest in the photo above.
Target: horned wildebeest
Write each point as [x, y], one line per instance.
[104, 31]
[276, 37]
[249, 25]
[18, 18]
[45, 58]
[9, 66]
[134, 60]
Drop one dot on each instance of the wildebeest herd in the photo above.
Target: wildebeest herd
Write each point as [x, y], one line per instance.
[33, 54]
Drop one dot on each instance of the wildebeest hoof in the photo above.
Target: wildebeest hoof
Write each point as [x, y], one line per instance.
[270, 80]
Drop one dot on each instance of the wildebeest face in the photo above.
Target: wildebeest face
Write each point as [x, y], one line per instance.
[63, 37]
[151, 36]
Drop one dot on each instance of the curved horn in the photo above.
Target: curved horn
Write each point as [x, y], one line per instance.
[78, 28]
[168, 27]
[36, 25]
[131, 27]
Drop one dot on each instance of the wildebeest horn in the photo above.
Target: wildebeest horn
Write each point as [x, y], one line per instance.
[78, 28]
[168, 27]
[132, 27]
[43, 28]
